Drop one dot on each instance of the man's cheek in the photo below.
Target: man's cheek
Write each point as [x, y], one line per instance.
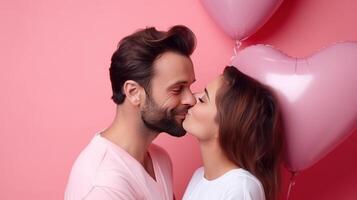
[170, 102]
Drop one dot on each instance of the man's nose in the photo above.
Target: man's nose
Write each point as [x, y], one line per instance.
[189, 98]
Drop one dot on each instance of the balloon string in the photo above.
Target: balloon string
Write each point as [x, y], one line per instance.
[236, 47]
[291, 184]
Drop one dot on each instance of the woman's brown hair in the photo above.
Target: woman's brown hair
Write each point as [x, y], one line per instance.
[250, 131]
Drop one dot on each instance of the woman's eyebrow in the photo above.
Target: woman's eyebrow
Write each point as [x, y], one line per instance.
[207, 94]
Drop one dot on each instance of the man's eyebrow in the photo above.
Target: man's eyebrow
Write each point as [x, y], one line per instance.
[207, 94]
[180, 83]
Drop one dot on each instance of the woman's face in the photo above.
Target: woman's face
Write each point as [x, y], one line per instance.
[200, 119]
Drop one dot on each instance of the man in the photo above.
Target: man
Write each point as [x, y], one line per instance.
[151, 73]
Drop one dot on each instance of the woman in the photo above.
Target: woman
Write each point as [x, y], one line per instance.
[236, 121]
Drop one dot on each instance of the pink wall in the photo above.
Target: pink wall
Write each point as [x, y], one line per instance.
[56, 92]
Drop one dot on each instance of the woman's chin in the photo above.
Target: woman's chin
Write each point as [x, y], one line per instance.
[185, 125]
[189, 127]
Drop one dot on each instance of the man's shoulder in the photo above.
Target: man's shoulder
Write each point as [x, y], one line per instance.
[89, 159]
[96, 165]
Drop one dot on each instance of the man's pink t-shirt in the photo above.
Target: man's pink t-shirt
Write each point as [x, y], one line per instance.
[104, 171]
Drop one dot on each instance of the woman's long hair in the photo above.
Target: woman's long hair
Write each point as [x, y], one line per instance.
[250, 131]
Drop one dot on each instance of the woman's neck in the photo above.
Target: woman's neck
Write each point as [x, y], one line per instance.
[215, 162]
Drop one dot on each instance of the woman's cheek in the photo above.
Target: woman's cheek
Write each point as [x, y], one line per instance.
[201, 123]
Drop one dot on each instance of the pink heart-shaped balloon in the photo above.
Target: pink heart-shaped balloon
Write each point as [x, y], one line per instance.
[240, 18]
[318, 96]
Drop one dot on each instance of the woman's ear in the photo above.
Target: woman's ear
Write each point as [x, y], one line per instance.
[132, 91]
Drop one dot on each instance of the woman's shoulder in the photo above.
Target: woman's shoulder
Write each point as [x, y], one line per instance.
[243, 175]
[198, 173]
[195, 180]
[242, 182]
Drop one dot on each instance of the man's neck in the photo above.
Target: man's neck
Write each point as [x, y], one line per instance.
[215, 162]
[129, 133]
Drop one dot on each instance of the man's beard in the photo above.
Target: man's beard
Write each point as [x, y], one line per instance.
[161, 120]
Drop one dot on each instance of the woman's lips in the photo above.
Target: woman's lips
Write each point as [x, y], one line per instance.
[188, 112]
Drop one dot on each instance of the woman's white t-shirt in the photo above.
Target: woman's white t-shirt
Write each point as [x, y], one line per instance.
[237, 184]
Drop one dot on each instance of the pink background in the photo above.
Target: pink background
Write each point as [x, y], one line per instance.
[55, 90]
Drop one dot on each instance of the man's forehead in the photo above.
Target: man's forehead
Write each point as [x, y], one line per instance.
[172, 69]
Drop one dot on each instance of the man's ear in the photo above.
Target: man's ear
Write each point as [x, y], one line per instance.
[132, 91]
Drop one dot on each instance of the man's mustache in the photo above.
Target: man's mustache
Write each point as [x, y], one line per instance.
[182, 111]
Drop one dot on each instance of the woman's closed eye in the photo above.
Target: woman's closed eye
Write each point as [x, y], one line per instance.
[200, 99]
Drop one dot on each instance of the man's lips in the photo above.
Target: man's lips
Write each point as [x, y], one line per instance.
[181, 115]
[181, 112]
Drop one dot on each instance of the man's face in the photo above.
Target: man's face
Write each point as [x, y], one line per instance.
[170, 97]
